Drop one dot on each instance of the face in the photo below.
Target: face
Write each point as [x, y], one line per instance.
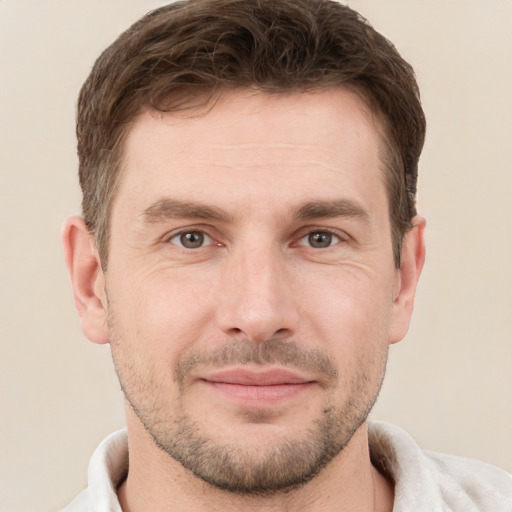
[251, 292]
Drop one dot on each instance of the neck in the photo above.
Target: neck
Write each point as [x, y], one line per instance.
[158, 483]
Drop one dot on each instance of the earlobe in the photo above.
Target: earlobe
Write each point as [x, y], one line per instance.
[87, 279]
[413, 258]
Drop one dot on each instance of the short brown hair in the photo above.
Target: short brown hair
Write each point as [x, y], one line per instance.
[176, 53]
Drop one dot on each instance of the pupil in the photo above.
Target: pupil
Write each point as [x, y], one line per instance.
[192, 240]
[320, 240]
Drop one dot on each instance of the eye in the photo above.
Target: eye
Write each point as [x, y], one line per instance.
[191, 239]
[319, 239]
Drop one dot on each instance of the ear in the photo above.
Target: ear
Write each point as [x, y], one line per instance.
[87, 279]
[413, 258]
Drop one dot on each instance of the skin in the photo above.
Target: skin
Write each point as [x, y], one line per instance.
[285, 198]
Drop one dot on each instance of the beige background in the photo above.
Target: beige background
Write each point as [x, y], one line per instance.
[449, 383]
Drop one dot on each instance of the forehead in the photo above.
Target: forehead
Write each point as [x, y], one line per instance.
[281, 146]
[325, 116]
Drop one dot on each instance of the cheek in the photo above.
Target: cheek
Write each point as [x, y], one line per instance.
[355, 335]
[349, 310]
[352, 322]
[161, 314]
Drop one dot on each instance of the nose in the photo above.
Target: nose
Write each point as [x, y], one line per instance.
[257, 296]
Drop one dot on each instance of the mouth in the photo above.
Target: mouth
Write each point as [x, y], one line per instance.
[257, 388]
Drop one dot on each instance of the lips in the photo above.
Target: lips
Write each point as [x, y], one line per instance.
[264, 386]
[265, 378]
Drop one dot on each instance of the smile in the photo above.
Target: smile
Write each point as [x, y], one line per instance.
[258, 387]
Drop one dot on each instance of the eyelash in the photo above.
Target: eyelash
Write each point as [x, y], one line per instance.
[178, 236]
[322, 232]
[209, 240]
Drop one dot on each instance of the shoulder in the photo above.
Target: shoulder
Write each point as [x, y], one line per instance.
[471, 481]
[426, 481]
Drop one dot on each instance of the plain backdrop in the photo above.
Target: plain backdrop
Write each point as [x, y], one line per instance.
[449, 382]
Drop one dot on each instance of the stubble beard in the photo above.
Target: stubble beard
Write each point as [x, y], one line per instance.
[281, 465]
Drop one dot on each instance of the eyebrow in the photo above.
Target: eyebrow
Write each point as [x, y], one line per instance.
[167, 208]
[330, 209]
[173, 209]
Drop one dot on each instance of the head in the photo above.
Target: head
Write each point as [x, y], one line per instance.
[249, 170]
[182, 56]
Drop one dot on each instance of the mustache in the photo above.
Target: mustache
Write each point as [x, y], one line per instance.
[244, 352]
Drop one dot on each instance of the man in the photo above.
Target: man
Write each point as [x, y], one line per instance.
[249, 248]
